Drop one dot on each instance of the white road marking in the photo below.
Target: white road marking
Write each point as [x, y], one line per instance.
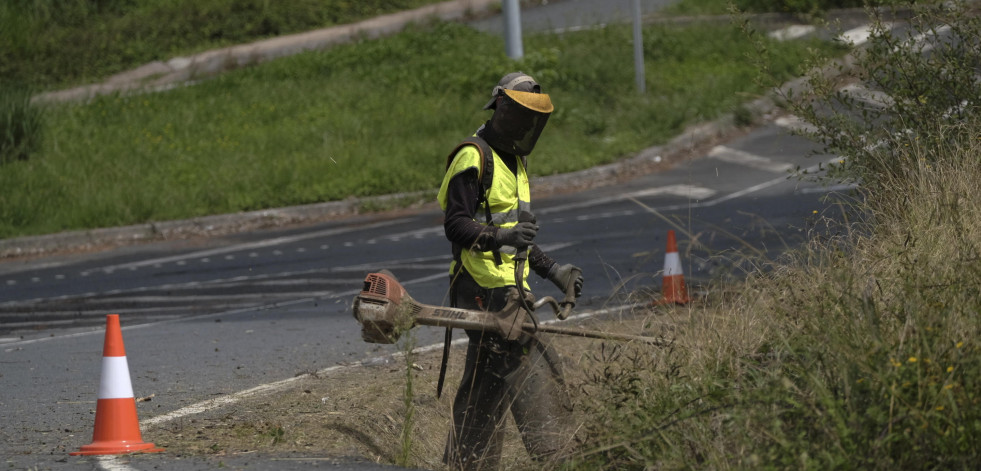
[112, 463]
[170, 299]
[794, 123]
[738, 194]
[792, 32]
[688, 191]
[860, 35]
[828, 189]
[741, 157]
[874, 98]
[248, 246]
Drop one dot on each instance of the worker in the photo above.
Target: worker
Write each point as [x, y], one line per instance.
[487, 219]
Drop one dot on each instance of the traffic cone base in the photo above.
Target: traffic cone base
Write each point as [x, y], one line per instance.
[673, 287]
[117, 428]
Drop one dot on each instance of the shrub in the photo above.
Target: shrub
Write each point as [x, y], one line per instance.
[908, 84]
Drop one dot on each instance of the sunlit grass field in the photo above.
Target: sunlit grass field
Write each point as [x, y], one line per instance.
[50, 44]
[371, 118]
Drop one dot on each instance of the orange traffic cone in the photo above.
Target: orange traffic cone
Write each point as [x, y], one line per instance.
[117, 429]
[673, 281]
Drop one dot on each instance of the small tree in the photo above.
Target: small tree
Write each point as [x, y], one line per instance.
[902, 84]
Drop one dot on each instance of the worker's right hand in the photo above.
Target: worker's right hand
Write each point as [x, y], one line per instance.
[521, 235]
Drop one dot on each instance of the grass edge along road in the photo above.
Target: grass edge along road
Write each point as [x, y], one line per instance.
[362, 120]
[858, 351]
[51, 45]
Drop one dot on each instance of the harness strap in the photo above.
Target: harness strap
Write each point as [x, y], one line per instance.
[447, 339]
[448, 335]
[485, 179]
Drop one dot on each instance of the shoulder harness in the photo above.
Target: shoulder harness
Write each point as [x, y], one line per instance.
[485, 179]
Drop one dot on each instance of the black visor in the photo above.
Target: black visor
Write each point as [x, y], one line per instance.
[520, 124]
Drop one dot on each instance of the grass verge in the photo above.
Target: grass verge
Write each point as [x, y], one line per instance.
[51, 44]
[367, 119]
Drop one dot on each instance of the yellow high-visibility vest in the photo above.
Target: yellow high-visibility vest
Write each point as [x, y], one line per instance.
[507, 196]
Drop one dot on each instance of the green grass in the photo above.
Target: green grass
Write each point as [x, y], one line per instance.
[58, 43]
[371, 118]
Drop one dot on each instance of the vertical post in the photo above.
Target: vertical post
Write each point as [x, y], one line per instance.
[512, 29]
[638, 50]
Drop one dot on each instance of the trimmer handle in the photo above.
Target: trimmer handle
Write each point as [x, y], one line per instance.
[522, 252]
[564, 308]
[570, 296]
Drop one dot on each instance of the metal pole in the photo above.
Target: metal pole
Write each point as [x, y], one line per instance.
[638, 50]
[512, 29]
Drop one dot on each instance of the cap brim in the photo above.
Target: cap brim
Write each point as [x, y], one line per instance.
[538, 102]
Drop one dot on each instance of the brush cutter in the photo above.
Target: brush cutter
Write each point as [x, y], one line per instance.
[385, 310]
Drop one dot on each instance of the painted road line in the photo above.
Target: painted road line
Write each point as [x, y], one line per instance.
[247, 246]
[792, 32]
[740, 157]
[860, 35]
[687, 191]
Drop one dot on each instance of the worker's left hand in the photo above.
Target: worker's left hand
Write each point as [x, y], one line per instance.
[565, 275]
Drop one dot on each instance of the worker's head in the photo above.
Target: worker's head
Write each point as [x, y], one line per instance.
[520, 113]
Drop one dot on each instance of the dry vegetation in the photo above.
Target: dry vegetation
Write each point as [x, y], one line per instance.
[359, 411]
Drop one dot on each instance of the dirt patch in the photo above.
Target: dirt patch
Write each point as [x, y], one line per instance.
[360, 412]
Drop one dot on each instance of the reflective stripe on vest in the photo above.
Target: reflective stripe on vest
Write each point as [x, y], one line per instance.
[508, 196]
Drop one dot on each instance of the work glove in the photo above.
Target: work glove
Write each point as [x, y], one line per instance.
[521, 235]
[565, 275]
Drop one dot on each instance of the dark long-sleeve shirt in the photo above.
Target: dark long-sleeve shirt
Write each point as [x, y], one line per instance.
[461, 216]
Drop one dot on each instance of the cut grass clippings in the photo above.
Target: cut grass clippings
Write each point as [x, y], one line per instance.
[371, 118]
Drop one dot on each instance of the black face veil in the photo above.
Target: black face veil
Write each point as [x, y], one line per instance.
[519, 119]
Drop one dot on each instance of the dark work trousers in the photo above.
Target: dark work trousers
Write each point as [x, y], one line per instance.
[524, 376]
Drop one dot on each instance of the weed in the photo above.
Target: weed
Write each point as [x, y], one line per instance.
[407, 346]
[276, 432]
[21, 124]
